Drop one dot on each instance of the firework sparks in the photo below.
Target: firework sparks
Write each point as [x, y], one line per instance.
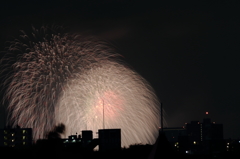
[78, 82]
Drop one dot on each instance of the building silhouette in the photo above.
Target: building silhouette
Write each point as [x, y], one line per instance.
[108, 140]
[197, 137]
[15, 137]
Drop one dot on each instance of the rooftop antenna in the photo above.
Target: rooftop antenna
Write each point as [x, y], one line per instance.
[103, 115]
[162, 117]
[103, 105]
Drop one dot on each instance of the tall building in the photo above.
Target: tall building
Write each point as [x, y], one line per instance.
[109, 139]
[197, 137]
[15, 137]
[205, 136]
[204, 131]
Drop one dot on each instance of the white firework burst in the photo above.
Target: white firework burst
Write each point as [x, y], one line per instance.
[64, 78]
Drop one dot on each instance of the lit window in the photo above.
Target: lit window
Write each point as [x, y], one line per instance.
[228, 143]
[5, 143]
[5, 132]
[24, 131]
[227, 146]
[187, 151]
[5, 137]
[12, 134]
[194, 142]
[12, 140]
[24, 143]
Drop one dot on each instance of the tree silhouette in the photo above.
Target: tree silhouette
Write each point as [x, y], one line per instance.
[56, 132]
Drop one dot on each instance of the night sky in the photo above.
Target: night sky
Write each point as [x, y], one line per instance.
[189, 53]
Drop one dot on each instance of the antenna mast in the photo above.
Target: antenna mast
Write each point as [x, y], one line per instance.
[162, 117]
[103, 115]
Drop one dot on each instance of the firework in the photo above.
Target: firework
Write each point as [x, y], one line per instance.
[65, 78]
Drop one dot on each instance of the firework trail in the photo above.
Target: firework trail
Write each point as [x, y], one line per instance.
[64, 78]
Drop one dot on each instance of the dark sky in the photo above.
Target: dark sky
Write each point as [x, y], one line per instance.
[189, 52]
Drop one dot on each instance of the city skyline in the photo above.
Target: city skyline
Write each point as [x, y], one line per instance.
[188, 52]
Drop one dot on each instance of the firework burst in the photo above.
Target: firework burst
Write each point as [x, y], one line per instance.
[65, 78]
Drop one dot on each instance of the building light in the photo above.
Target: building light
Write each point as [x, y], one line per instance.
[12, 134]
[227, 146]
[24, 137]
[24, 131]
[228, 143]
[12, 140]
[194, 142]
[206, 113]
[187, 151]
[24, 143]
